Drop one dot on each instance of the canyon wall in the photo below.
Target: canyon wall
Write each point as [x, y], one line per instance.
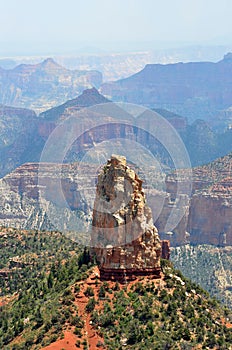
[208, 215]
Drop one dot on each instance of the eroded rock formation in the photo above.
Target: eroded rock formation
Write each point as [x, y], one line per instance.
[124, 239]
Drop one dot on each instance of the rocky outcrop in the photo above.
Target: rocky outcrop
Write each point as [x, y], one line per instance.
[23, 136]
[124, 239]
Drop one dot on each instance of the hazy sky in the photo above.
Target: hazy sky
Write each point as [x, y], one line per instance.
[46, 25]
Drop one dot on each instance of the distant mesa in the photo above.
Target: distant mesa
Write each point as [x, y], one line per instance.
[195, 89]
[124, 238]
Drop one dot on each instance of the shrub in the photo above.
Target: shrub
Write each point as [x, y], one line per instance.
[90, 305]
[77, 331]
[102, 292]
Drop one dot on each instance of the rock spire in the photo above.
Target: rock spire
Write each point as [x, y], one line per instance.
[124, 239]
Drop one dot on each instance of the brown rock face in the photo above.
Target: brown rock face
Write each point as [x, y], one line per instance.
[124, 239]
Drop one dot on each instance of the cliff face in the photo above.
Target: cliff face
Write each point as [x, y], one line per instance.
[124, 239]
[208, 214]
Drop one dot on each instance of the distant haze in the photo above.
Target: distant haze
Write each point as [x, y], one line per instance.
[70, 26]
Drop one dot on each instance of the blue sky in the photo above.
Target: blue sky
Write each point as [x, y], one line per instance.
[43, 25]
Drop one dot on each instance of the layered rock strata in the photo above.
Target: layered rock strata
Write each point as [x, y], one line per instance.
[208, 211]
[30, 197]
[124, 239]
